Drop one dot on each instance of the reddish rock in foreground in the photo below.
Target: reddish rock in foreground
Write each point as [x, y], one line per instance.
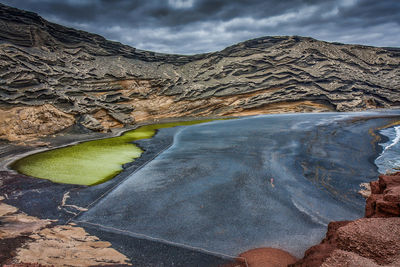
[267, 257]
[263, 257]
[316, 255]
[370, 241]
[384, 200]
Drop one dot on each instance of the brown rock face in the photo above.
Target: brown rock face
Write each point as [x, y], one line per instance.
[68, 246]
[316, 255]
[29, 122]
[385, 198]
[80, 73]
[371, 241]
[373, 238]
[340, 258]
[26, 265]
[267, 257]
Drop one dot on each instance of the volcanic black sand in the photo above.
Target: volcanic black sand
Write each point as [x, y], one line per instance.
[44, 199]
[230, 186]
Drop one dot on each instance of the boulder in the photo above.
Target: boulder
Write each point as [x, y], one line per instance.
[91, 123]
[385, 198]
[370, 241]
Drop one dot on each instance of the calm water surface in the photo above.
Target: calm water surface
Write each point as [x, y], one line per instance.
[272, 180]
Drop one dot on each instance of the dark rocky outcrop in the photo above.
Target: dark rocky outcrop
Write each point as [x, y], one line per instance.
[80, 73]
[370, 241]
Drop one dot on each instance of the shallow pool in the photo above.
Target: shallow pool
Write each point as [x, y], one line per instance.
[92, 162]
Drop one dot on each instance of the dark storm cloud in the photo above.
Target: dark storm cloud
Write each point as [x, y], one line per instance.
[193, 26]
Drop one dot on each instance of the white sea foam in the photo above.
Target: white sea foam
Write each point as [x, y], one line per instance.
[390, 155]
[395, 141]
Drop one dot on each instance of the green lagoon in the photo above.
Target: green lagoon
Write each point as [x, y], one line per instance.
[91, 162]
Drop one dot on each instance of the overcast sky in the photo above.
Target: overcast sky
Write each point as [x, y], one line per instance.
[195, 26]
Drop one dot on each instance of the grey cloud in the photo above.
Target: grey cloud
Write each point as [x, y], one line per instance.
[194, 26]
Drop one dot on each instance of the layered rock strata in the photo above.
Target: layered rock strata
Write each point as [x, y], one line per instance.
[105, 84]
[27, 239]
[28, 123]
[370, 241]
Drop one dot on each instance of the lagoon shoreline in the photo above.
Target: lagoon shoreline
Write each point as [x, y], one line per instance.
[44, 199]
[37, 191]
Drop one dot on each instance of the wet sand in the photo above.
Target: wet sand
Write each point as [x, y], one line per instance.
[44, 199]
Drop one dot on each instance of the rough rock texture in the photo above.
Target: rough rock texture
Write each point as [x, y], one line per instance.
[81, 73]
[68, 245]
[374, 238]
[375, 241]
[15, 224]
[316, 255]
[340, 258]
[91, 123]
[384, 200]
[26, 265]
[27, 240]
[267, 257]
[30, 122]
[370, 241]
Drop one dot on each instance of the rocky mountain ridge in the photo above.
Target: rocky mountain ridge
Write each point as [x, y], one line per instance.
[104, 84]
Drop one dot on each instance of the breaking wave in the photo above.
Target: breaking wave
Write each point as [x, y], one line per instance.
[389, 159]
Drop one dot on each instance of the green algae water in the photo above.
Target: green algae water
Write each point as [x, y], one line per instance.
[91, 162]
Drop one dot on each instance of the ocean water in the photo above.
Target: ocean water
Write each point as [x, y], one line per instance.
[262, 181]
[389, 159]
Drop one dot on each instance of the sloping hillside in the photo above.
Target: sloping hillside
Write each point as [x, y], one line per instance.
[67, 76]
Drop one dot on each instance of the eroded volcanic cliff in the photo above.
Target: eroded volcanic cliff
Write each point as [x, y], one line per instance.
[67, 76]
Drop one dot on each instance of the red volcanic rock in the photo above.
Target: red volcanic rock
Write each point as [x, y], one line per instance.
[27, 265]
[384, 200]
[268, 257]
[375, 187]
[340, 258]
[371, 241]
[392, 194]
[377, 239]
[389, 180]
[316, 255]
[363, 242]
[370, 206]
